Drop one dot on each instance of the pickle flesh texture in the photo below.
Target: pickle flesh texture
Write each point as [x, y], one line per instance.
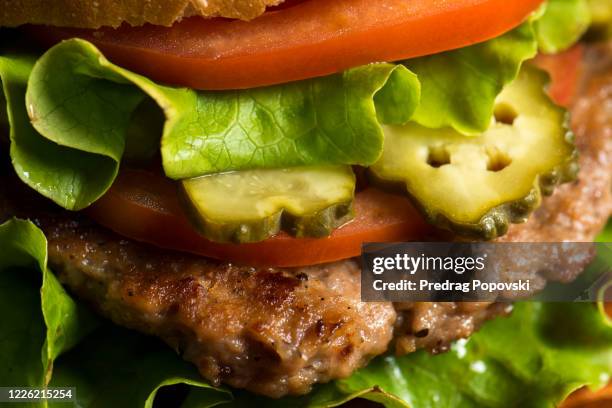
[477, 185]
[253, 205]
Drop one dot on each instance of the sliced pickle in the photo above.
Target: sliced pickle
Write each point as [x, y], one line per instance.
[476, 186]
[250, 206]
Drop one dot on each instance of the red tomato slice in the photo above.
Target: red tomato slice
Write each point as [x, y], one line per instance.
[564, 70]
[311, 38]
[144, 206]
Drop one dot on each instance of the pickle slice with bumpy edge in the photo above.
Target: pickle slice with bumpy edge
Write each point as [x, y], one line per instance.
[476, 186]
[252, 205]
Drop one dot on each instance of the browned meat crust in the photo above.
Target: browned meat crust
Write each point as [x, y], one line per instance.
[578, 211]
[270, 331]
[279, 331]
[98, 13]
[433, 326]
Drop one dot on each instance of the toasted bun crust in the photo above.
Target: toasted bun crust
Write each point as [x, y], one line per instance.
[98, 13]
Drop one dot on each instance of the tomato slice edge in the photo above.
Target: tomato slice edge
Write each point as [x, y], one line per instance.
[564, 69]
[164, 224]
[145, 208]
[310, 39]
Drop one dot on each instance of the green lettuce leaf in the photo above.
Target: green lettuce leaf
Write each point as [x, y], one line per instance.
[42, 320]
[458, 88]
[3, 115]
[115, 367]
[606, 235]
[109, 366]
[72, 178]
[83, 112]
[562, 23]
[81, 106]
[535, 357]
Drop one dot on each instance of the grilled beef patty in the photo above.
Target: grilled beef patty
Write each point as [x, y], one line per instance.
[279, 331]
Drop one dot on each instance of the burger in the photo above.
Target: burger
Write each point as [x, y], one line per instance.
[186, 187]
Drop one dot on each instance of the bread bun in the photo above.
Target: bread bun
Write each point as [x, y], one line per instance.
[98, 13]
